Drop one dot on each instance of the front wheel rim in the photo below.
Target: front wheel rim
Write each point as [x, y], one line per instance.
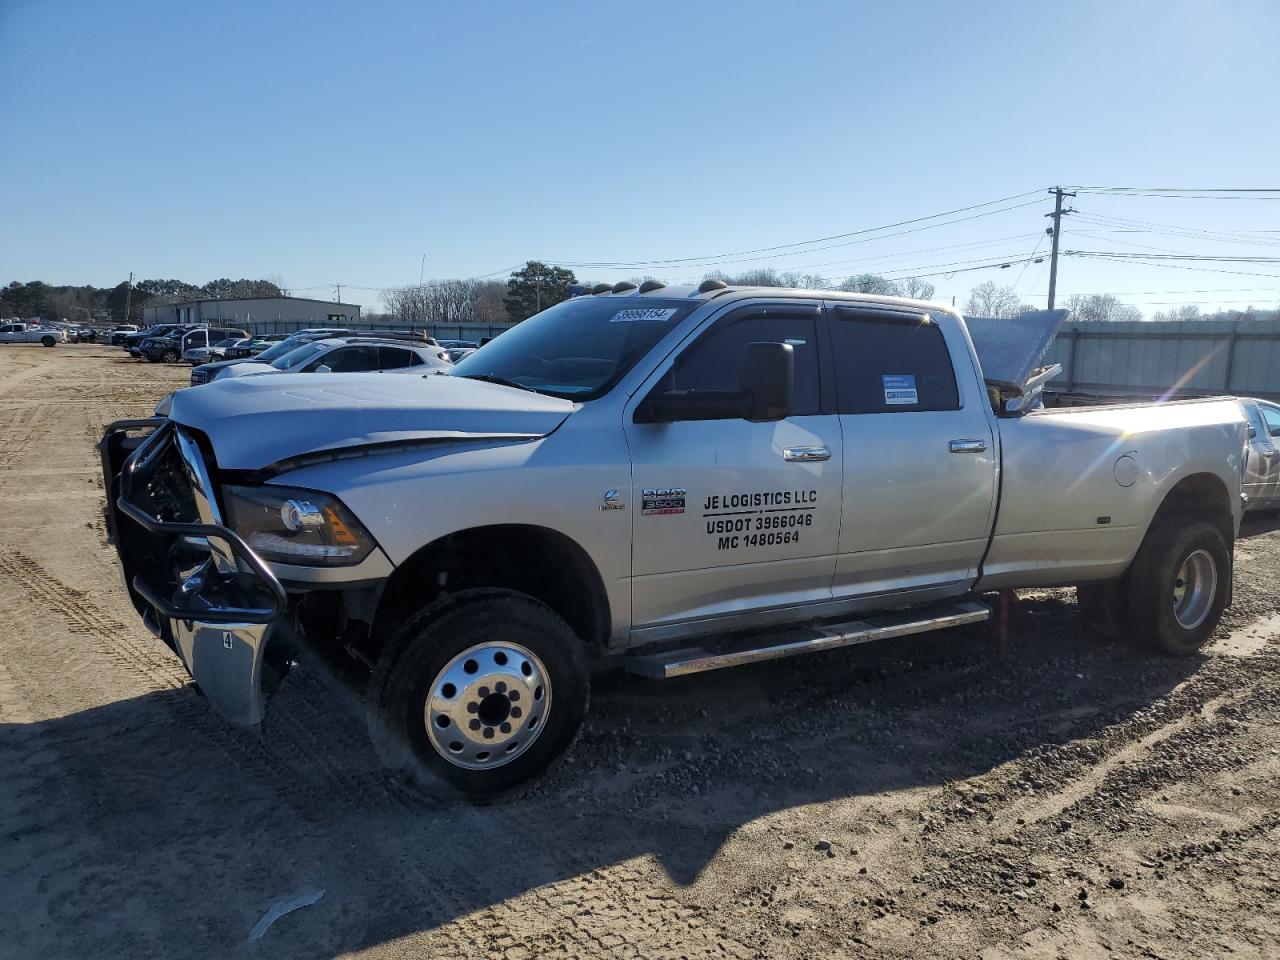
[487, 706]
[1194, 587]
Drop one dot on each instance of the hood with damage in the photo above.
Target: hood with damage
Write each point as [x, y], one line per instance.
[254, 422]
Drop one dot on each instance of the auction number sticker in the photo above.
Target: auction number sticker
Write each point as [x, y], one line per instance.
[643, 315]
[899, 389]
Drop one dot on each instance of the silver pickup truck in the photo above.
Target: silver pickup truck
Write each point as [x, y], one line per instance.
[15, 332]
[666, 480]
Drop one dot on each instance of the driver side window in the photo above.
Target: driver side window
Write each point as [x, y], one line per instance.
[712, 362]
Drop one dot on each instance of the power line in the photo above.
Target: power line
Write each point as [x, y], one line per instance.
[1172, 266]
[1186, 193]
[1192, 233]
[702, 260]
[1120, 254]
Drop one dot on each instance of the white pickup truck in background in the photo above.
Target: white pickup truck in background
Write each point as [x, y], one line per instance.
[31, 333]
[669, 480]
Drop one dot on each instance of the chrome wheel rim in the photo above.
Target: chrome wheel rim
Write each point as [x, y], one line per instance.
[487, 706]
[1194, 587]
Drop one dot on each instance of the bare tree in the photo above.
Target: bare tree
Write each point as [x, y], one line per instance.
[447, 302]
[915, 288]
[1101, 308]
[992, 300]
[1188, 311]
[869, 283]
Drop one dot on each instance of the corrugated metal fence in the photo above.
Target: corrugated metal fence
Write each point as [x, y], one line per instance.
[1184, 359]
[441, 331]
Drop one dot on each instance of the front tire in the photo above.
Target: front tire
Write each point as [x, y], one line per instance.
[483, 690]
[170, 356]
[1179, 586]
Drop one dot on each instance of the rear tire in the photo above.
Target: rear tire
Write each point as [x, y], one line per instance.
[484, 690]
[48, 341]
[1179, 585]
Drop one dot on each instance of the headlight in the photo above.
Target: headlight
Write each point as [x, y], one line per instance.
[296, 526]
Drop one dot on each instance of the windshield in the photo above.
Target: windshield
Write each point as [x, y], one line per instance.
[280, 349]
[577, 349]
[294, 357]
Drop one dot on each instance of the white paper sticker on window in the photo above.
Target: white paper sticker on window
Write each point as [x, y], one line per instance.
[649, 315]
[899, 389]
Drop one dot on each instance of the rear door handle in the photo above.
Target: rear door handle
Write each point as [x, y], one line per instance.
[806, 454]
[967, 446]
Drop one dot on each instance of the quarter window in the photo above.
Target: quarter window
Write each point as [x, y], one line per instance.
[886, 365]
[393, 358]
[712, 362]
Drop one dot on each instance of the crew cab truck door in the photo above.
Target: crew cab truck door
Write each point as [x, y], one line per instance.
[919, 455]
[732, 516]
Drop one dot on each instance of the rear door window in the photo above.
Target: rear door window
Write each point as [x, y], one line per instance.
[355, 359]
[891, 365]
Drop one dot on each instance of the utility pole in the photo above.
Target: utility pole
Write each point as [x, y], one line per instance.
[1053, 231]
[340, 292]
[128, 297]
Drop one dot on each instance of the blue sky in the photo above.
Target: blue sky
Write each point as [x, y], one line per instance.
[323, 143]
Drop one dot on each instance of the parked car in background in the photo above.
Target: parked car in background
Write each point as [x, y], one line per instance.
[32, 333]
[458, 353]
[208, 372]
[120, 331]
[215, 351]
[132, 342]
[458, 344]
[248, 347]
[1262, 469]
[85, 335]
[352, 354]
[170, 348]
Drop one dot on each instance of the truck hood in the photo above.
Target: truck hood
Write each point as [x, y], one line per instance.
[254, 422]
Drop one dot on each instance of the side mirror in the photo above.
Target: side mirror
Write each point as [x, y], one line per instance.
[1252, 431]
[324, 369]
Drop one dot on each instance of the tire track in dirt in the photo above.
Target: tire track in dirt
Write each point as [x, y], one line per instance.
[118, 642]
[299, 761]
[20, 434]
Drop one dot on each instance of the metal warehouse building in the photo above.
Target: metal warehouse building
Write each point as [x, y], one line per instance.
[256, 311]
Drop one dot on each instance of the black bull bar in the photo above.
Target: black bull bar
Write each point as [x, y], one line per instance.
[197, 585]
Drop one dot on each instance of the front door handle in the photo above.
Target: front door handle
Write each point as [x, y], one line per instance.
[967, 446]
[806, 454]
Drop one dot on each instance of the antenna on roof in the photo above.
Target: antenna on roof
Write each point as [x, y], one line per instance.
[622, 286]
[650, 285]
[708, 285]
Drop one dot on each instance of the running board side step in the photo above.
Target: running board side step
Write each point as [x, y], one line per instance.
[807, 638]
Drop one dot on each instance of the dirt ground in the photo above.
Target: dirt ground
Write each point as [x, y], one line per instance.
[1057, 797]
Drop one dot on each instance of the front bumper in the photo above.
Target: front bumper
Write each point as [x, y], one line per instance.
[194, 581]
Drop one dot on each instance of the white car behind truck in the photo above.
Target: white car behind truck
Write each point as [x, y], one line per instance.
[32, 333]
[672, 480]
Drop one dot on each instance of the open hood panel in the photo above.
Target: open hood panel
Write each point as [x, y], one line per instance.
[254, 422]
[1010, 349]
